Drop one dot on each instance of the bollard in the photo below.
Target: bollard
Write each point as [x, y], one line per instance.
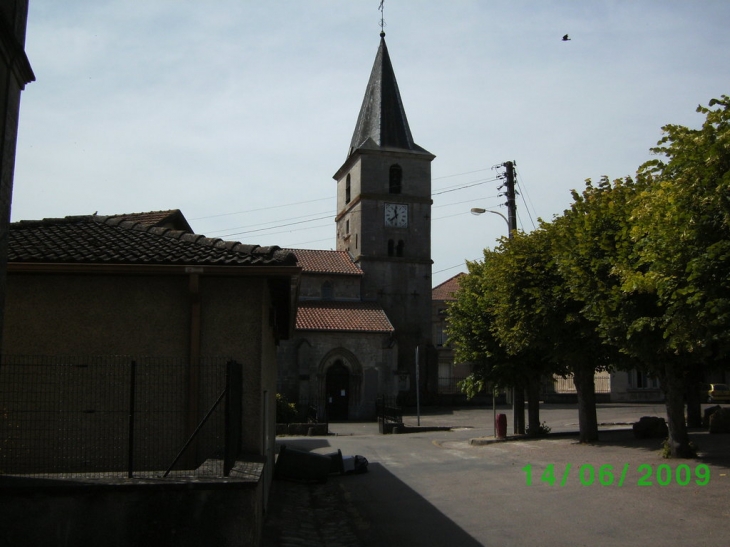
[500, 426]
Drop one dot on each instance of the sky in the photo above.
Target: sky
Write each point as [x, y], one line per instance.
[239, 112]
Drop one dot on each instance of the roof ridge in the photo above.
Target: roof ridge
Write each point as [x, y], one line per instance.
[202, 240]
[257, 254]
[49, 221]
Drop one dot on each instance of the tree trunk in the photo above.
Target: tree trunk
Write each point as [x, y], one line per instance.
[586, 389]
[694, 397]
[518, 402]
[533, 406]
[673, 386]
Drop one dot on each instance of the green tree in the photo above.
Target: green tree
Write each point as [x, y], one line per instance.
[602, 260]
[682, 232]
[537, 314]
[471, 332]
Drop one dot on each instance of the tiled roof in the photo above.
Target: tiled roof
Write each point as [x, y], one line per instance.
[95, 239]
[446, 290]
[328, 262]
[342, 316]
[172, 218]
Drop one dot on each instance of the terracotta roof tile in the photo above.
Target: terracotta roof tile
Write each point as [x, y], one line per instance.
[328, 262]
[446, 290]
[342, 316]
[172, 218]
[95, 239]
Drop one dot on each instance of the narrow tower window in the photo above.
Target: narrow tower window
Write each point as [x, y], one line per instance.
[399, 248]
[347, 189]
[395, 179]
[391, 247]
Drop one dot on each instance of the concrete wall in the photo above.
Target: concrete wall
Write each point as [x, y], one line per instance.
[174, 513]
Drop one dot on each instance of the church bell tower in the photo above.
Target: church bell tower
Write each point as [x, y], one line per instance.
[384, 213]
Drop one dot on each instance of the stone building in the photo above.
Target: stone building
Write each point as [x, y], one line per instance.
[366, 307]
[449, 372]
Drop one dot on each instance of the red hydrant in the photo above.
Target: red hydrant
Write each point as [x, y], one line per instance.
[500, 426]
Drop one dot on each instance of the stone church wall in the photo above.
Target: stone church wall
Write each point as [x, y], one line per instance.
[370, 358]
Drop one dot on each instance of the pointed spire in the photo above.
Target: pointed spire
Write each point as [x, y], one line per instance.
[382, 119]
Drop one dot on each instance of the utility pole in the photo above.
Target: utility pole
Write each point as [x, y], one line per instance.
[518, 395]
[511, 203]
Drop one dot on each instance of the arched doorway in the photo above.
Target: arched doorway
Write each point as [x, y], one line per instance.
[337, 389]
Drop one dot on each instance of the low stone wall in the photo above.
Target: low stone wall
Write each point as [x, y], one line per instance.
[179, 511]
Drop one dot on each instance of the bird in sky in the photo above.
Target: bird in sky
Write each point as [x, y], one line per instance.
[565, 38]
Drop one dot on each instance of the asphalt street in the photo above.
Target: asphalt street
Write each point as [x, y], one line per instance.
[438, 488]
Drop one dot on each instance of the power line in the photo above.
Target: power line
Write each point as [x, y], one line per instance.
[315, 200]
[283, 224]
[272, 222]
[449, 268]
[460, 174]
[293, 245]
[274, 227]
[262, 208]
[523, 193]
[475, 183]
[465, 201]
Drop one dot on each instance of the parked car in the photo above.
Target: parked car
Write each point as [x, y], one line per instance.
[718, 392]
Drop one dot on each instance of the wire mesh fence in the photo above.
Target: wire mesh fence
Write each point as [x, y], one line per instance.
[102, 416]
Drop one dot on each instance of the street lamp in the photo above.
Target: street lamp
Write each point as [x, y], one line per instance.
[480, 211]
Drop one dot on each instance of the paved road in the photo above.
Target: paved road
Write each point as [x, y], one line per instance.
[437, 489]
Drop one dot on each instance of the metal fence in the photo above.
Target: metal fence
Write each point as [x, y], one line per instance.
[113, 415]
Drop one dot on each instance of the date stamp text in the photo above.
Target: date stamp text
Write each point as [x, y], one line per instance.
[608, 475]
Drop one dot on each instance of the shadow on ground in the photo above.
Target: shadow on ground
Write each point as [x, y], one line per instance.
[712, 448]
[374, 509]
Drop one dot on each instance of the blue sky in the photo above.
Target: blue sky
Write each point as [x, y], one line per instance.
[239, 112]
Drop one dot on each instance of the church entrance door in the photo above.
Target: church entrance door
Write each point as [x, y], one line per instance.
[338, 391]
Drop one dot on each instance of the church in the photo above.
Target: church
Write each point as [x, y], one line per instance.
[364, 316]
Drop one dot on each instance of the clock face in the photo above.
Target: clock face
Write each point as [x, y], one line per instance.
[396, 215]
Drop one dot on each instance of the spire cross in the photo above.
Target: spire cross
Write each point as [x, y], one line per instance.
[382, 18]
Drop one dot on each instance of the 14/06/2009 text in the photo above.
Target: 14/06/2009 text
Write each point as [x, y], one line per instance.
[587, 475]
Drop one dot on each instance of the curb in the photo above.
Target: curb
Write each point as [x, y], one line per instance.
[482, 441]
